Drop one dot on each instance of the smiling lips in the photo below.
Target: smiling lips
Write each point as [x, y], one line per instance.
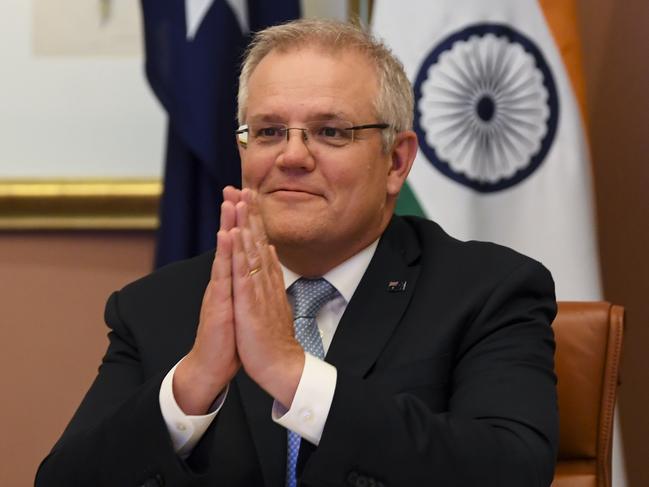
[289, 192]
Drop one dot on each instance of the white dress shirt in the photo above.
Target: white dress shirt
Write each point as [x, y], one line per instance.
[310, 407]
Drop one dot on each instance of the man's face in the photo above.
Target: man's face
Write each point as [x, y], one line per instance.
[325, 199]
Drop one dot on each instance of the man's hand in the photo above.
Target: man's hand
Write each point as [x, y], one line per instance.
[265, 339]
[245, 317]
[213, 360]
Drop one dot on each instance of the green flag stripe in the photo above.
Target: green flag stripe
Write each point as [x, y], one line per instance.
[407, 203]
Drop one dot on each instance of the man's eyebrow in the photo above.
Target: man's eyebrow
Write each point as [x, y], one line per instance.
[274, 118]
[267, 117]
[329, 116]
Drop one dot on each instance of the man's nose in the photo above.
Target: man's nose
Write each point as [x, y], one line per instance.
[296, 152]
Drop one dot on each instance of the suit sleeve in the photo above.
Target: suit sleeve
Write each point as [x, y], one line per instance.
[118, 435]
[499, 426]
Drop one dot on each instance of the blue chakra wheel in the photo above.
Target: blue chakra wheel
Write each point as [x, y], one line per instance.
[486, 107]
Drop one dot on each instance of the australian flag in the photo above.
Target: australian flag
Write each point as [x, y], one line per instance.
[193, 55]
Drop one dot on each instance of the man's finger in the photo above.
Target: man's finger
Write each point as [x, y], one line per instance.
[228, 216]
[240, 267]
[258, 268]
[254, 243]
[217, 300]
[231, 194]
[275, 274]
[222, 266]
[255, 223]
[241, 210]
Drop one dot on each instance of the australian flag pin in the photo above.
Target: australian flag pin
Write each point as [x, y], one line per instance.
[397, 286]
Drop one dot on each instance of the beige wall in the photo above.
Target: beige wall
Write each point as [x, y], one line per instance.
[53, 287]
[615, 42]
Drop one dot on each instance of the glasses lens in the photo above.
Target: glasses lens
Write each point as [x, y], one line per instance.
[331, 133]
[267, 133]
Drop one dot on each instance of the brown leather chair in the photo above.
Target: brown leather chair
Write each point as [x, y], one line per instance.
[589, 342]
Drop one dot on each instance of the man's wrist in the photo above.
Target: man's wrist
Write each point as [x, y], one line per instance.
[310, 407]
[194, 390]
[281, 379]
[184, 430]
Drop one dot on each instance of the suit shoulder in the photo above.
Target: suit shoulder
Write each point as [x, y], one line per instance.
[188, 276]
[155, 307]
[440, 248]
[478, 272]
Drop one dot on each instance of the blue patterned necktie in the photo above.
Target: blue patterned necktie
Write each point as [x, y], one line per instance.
[309, 296]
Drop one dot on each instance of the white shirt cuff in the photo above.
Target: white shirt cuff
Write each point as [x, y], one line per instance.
[315, 392]
[185, 430]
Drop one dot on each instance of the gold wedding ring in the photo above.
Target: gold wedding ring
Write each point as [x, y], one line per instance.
[254, 271]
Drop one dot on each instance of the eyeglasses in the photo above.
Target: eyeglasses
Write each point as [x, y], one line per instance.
[324, 134]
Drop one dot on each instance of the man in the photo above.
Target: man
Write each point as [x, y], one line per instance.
[439, 354]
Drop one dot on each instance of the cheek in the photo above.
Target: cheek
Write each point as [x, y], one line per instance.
[372, 178]
[345, 183]
[253, 172]
[362, 188]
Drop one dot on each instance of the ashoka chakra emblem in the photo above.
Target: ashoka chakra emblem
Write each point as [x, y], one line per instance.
[486, 107]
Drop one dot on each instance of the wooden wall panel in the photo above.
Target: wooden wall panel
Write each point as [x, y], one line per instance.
[615, 42]
[53, 287]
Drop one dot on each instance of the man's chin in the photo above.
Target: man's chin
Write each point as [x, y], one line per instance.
[296, 217]
[294, 230]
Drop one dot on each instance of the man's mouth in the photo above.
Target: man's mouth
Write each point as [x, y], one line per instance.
[295, 190]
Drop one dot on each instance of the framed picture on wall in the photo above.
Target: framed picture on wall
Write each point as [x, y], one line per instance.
[82, 134]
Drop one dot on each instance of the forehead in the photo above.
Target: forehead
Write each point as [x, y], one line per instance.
[305, 81]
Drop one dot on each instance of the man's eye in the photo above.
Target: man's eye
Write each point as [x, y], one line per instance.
[269, 132]
[332, 132]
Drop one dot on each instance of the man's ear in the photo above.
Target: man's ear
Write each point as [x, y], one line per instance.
[402, 155]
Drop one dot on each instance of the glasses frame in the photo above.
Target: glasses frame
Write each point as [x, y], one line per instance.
[244, 129]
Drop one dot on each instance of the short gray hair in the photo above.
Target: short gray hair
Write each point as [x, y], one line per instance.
[394, 103]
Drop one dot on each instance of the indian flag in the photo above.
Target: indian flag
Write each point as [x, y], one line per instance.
[503, 155]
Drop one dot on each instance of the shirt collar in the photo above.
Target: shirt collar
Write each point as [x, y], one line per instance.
[344, 277]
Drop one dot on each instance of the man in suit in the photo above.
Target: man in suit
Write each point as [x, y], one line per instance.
[423, 360]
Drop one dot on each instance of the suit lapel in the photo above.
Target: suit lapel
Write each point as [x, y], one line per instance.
[375, 310]
[268, 437]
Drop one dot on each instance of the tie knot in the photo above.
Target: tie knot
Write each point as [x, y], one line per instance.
[310, 295]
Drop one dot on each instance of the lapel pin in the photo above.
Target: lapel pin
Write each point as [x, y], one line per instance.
[397, 286]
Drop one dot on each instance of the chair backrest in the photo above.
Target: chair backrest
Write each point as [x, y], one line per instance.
[589, 343]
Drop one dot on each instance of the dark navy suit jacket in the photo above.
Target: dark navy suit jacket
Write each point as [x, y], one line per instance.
[448, 382]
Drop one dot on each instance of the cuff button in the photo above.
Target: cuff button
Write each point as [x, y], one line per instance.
[306, 415]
